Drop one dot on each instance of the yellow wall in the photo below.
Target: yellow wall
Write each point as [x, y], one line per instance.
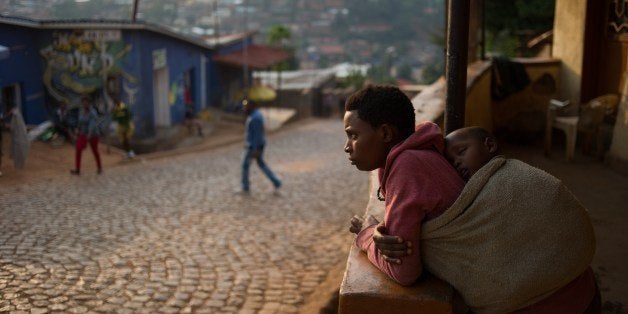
[527, 103]
[569, 24]
[478, 104]
[522, 108]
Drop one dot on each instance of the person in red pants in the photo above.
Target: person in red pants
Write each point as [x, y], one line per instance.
[87, 133]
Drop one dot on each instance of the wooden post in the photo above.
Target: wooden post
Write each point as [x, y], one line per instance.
[134, 17]
[456, 63]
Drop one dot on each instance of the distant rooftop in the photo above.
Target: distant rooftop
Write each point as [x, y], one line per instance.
[258, 57]
[295, 80]
[204, 42]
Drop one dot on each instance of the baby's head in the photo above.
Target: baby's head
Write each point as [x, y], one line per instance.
[468, 149]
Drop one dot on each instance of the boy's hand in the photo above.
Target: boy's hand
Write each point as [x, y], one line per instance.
[358, 223]
[392, 248]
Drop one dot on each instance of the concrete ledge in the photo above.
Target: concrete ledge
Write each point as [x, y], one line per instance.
[365, 289]
[429, 105]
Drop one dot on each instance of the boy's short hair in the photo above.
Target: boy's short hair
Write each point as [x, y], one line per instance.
[383, 104]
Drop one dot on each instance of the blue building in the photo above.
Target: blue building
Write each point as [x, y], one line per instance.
[152, 69]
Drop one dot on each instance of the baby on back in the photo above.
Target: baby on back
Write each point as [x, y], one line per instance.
[515, 240]
[468, 149]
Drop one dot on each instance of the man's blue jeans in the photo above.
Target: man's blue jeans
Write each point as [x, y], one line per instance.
[256, 154]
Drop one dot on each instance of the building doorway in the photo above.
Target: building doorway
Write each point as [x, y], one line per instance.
[160, 96]
[10, 98]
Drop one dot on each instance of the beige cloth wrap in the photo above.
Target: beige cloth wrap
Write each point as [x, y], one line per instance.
[513, 237]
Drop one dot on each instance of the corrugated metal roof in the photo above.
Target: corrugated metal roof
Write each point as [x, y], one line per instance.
[124, 25]
[258, 57]
[296, 80]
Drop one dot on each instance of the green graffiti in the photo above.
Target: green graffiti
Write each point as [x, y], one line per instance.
[78, 62]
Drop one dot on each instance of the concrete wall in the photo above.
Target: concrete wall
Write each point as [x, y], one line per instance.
[569, 25]
[613, 78]
[60, 65]
[522, 112]
[521, 116]
[180, 58]
[593, 54]
[478, 108]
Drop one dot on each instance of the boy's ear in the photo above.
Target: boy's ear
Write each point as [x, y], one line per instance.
[387, 132]
[491, 145]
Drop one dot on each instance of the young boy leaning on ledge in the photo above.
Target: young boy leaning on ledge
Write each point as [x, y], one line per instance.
[514, 240]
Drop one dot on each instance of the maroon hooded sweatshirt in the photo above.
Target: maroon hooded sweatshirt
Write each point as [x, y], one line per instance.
[418, 184]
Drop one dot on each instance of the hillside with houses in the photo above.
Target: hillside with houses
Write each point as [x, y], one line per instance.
[397, 36]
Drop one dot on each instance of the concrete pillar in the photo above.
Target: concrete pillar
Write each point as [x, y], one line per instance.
[569, 26]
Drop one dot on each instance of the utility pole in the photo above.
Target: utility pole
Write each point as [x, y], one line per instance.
[134, 17]
[245, 51]
[216, 23]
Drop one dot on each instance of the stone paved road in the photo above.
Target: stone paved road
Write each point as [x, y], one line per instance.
[168, 235]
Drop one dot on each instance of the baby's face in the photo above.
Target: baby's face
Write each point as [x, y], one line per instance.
[466, 153]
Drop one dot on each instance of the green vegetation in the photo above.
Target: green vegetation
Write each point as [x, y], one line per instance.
[398, 34]
[355, 79]
[509, 24]
[279, 37]
[436, 69]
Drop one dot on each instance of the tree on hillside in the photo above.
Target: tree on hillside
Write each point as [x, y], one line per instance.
[279, 36]
[436, 69]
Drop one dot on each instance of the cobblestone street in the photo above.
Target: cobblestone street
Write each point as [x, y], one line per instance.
[168, 235]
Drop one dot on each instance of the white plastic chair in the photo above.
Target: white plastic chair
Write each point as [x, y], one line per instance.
[569, 125]
[590, 117]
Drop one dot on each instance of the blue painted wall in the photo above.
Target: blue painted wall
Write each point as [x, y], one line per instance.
[24, 67]
[55, 66]
[181, 57]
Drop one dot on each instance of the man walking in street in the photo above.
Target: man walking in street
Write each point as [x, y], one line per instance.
[255, 147]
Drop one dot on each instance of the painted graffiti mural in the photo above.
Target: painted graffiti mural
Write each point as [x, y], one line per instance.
[84, 62]
[618, 16]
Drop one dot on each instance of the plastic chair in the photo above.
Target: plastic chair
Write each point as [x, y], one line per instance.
[588, 121]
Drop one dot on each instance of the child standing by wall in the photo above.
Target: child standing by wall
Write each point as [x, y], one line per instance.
[87, 133]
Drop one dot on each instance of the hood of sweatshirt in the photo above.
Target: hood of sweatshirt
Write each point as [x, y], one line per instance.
[427, 136]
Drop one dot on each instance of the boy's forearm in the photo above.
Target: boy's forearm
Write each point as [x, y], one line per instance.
[405, 273]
